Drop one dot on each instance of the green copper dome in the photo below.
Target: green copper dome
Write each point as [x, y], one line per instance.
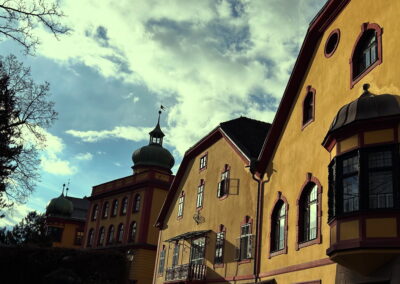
[60, 206]
[154, 154]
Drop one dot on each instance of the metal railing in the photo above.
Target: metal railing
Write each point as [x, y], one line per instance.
[186, 272]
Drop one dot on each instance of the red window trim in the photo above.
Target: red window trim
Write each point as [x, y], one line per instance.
[221, 228]
[280, 197]
[309, 89]
[134, 210]
[114, 204]
[227, 168]
[201, 157]
[183, 206]
[94, 213]
[104, 210]
[379, 31]
[121, 213]
[335, 31]
[202, 183]
[309, 179]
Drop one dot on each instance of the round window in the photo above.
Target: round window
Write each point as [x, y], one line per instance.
[332, 43]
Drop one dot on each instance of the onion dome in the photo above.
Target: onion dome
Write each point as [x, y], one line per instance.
[60, 206]
[154, 154]
[367, 107]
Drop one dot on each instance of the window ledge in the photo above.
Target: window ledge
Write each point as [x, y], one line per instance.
[223, 197]
[308, 243]
[219, 265]
[278, 252]
[307, 123]
[247, 260]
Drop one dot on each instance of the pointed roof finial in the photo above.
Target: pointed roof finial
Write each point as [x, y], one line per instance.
[62, 193]
[66, 190]
[366, 92]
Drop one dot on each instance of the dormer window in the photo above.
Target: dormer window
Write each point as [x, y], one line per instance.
[367, 52]
[156, 140]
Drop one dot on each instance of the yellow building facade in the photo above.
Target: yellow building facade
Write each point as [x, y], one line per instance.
[330, 164]
[65, 221]
[207, 229]
[122, 212]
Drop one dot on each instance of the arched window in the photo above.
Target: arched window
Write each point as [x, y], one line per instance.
[181, 203]
[136, 205]
[110, 238]
[90, 238]
[309, 106]
[279, 227]
[367, 52]
[309, 213]
[278, 223]
[95, 211]
[100, 242]
[132, 232]
[120, 234]
[115, 208]
[106, 207]
[124, 206]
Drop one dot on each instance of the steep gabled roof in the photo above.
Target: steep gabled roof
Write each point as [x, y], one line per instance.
[245, 135]
[315, 31]
[81, 206]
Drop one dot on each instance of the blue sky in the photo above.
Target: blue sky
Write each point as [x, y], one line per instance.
[207, 61]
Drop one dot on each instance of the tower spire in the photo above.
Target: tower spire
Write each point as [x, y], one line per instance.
[156, 135]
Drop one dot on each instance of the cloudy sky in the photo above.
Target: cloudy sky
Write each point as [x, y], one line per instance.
[207, 61]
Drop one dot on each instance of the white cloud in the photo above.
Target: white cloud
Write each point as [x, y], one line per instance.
[84, 156]
[50, 159]
[216, 59]
[117, 164]
[124, 132]
[135, 99]
[14, 215]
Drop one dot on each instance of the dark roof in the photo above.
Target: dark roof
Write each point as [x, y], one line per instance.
[248, 134]
[318, 26]
[367, 107]
[81, 206]
[239, 131]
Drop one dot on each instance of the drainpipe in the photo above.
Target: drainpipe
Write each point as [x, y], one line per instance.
[257, 235]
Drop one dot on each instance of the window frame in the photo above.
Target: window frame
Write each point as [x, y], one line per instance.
[220, 247]
[175, 254]
[300, 243]
[198, 260]
[181, 205]
[106, 208]
[335, 194]
[124, 206]
[310, 91]
[132, 228]
[365, 27]
[203, 161]
[101, 237]
[200, 195]
[120, 233]
[280, 201]
[161, 261]
[79, 236]
[95, 212]
[224, 183]
[136, 203]
[90, 238]
[245, 242]
[114, 209]
[110, 235]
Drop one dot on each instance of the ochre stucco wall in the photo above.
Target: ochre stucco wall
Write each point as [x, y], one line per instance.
[300, 151]
[230, 211]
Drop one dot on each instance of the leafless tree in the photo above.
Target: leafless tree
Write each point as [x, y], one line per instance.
[19, 18]
[21, 127]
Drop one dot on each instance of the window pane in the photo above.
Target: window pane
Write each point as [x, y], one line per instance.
[350, 194]
[350, 165]
[313, 221]
[380, 189]
[380, 159]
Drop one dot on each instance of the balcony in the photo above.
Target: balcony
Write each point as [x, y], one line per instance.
[186, 272]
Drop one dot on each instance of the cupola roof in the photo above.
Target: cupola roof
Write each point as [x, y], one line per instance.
[60, 206]
[367, 107]
[154, 154]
